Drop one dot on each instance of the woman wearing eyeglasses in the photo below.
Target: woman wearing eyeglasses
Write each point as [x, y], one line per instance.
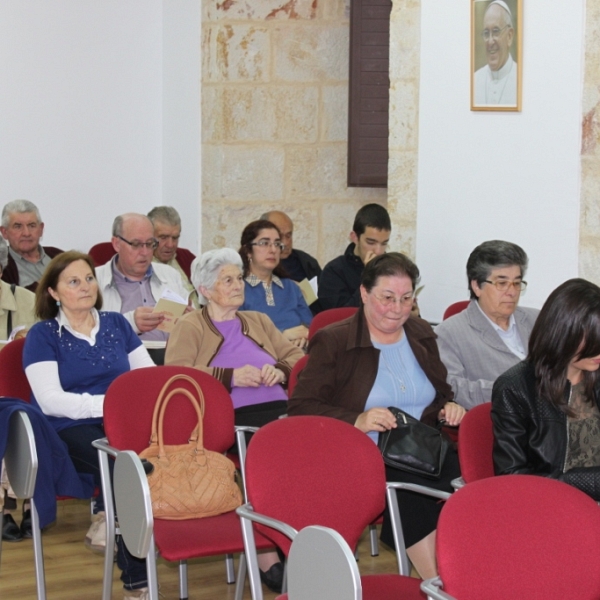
[383, 356]
[268, 289]
[491, 334]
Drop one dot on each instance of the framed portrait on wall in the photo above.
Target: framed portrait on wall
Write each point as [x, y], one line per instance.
[496, 54]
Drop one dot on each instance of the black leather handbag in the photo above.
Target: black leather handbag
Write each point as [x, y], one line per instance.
[413, 446]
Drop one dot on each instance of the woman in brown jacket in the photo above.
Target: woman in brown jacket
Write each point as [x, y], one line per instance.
[384, 357]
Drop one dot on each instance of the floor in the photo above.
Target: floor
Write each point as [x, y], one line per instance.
[75, 573]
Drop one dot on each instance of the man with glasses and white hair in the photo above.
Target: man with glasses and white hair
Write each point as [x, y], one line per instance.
[492, 333]
[496, 82]
[130, 283]
[22, 228]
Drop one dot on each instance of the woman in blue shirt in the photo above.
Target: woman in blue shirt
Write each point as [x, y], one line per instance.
[268, 289]
[70, 358]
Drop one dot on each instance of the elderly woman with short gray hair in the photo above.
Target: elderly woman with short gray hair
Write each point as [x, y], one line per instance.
[491, 334]
[242, 349]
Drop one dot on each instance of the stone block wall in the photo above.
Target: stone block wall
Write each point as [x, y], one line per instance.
[589, 222]
[274, 121]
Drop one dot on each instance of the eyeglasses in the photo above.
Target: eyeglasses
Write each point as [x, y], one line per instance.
[502, 285]
[388, 299]
[267, 243]
[495, 33]
[139, 245]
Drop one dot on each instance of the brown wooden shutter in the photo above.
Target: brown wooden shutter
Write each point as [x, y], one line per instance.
[369, 93]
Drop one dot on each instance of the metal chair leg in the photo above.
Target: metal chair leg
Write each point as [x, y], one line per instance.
[230, 569]
[374, 540]
[241, 578]
[38, 553]
[183, 580]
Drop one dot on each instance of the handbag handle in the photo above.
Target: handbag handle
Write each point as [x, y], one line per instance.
[163, 399]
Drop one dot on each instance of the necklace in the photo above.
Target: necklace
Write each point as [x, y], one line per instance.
[395, 377]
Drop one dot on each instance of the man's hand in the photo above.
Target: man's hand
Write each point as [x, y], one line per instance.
[147, 320]
[370, 255]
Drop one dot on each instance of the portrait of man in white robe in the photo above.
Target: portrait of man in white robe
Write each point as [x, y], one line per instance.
[496, 83]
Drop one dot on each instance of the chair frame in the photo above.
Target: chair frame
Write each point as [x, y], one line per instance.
[21, 466]
[105, 450]
[321, 566]
[249, 516]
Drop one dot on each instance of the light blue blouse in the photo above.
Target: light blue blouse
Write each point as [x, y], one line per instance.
[400, 381]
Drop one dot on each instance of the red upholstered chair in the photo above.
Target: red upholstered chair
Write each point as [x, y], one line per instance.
[329, 316]
[295, 373]
[291, 385]
[128, 407]
[13, 381]
[517, 536]
[101, 253]
[455, 308]
[323, 472]
[475, 444]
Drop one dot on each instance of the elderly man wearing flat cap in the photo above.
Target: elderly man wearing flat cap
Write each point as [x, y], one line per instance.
[496, 82]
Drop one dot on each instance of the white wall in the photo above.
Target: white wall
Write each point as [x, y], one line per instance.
[181, 116]
[82, 132]
[486, 175]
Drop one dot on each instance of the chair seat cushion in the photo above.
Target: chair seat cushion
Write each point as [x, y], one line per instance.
[179, 540]
[376, 587]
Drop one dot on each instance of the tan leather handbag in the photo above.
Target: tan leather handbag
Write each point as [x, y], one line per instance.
[188, 481]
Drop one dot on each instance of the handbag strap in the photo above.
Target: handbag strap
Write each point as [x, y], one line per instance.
[162, 398]
[198, 430]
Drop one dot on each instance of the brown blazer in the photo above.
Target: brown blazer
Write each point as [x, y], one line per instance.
[343, 364]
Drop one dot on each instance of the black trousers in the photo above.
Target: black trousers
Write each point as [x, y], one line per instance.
[419, 513]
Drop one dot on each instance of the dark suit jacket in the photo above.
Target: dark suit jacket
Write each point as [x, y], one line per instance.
[11, 273]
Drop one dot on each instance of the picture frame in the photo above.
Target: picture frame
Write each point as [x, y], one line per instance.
[496, 55]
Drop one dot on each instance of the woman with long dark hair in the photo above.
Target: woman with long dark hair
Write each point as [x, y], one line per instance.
[545, 409]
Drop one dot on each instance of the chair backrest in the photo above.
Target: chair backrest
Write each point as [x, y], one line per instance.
[315, 471]
[13, 381]
[295, 373]
[329, 316]
[321, 566]
[101, 253]
[129, 404]
[455, 308]
[20, 456]
[475, 444]
[519, 536]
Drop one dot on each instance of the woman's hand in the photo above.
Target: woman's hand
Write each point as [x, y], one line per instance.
[375, 419]
[297, 335]
[247, 376]
[271, 376]
[452, 413]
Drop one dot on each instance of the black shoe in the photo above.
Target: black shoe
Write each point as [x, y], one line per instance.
[10, 530]
[273, 578]
[26, 531]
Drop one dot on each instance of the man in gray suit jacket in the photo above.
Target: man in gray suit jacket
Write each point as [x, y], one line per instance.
[492, 333]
